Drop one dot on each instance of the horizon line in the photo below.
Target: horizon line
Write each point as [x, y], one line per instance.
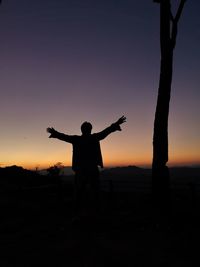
[149, 166]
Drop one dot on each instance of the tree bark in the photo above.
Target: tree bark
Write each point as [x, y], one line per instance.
[160, 172]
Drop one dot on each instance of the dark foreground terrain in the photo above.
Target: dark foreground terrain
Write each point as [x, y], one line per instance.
[37, 229]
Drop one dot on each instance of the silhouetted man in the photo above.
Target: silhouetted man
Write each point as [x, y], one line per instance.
[86, 156]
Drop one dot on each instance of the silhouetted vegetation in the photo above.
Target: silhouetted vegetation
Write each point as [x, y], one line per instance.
[17, 178]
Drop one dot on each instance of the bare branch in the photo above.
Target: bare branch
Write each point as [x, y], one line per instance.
[174, 34]
[171, 16]
[175, 23]
[180, 9]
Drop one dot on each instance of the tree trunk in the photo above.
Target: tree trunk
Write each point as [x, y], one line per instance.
[160, 172]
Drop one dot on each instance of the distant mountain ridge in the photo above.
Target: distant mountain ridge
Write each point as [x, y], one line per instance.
[128, 171]
[178, 172]
[125, 171]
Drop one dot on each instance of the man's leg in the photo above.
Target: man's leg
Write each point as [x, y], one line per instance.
[95, 190]
[80, 185]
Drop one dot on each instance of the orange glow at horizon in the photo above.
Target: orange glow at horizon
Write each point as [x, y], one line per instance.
[108, 162]
[119, 149]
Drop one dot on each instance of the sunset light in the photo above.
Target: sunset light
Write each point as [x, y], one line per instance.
[62, 65]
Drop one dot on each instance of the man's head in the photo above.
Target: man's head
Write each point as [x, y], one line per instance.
[86, 128]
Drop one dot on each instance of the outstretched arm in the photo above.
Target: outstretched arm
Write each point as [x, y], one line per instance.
[112, 128]
[58, 135]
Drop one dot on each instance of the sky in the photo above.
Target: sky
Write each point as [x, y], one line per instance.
[63, 62]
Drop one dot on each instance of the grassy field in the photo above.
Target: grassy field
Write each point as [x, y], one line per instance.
[37, 229]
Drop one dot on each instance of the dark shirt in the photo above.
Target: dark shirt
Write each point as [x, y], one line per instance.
[86, 148]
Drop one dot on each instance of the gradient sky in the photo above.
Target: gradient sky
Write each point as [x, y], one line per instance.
[66, 61]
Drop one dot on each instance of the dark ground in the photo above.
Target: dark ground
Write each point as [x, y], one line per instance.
[37, 229]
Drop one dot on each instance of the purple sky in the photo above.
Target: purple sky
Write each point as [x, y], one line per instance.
[63, 62]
